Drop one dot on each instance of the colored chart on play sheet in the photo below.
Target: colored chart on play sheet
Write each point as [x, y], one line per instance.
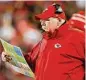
[18, 62]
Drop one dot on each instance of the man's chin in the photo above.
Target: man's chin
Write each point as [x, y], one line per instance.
[46, 30]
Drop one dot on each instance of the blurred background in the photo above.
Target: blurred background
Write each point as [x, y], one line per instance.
[19, 27]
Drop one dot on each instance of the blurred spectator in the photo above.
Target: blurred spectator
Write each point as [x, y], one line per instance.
[26, 35]
[80, 4]
[78, 21]
[6, 29]
[25, 30]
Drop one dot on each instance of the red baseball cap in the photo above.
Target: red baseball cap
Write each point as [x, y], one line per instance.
[54, 10]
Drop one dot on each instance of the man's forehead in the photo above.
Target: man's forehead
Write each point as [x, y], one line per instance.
[48, 18]
[52, 18]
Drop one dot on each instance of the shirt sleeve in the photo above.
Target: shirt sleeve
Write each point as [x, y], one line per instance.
[32, 56]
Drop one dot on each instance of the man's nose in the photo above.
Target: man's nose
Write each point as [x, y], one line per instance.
[43, 23]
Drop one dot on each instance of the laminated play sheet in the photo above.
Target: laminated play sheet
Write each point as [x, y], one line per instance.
[18, 62]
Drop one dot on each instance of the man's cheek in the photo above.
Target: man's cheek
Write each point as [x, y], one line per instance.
[52, 26]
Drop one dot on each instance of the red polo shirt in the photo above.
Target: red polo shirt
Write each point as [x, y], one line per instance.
[60, 56]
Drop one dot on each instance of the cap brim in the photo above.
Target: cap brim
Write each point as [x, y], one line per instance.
[38, 17]
[43, 16]
[49, 12]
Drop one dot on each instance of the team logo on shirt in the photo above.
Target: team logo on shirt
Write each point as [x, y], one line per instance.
[57, 45]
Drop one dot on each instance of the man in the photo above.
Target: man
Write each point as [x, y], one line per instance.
[60, 54]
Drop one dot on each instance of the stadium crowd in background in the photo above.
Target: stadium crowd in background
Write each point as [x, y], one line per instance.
[19, 27]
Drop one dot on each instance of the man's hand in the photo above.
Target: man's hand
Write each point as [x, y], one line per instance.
[5, 57]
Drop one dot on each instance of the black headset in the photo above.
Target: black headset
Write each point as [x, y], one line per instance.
[57, 7]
